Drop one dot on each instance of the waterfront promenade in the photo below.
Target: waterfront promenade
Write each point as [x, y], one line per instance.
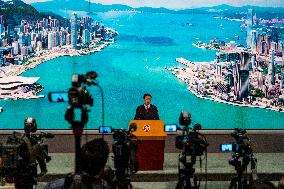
[46, 55]
[12, 71]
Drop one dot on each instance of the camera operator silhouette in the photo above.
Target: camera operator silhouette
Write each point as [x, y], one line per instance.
[37, 152]
[94, 155]
[30, 153]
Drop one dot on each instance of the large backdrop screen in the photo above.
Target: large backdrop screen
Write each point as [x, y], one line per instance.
[220, 60]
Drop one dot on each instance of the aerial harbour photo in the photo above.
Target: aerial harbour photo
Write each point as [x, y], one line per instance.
[235, 61]
[160, 94]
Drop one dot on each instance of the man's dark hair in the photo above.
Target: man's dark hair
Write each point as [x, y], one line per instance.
[94, 155]
[147, 94]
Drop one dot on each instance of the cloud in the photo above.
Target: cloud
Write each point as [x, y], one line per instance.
[180, 4]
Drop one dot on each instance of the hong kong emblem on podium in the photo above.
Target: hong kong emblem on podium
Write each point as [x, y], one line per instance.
[146, 128]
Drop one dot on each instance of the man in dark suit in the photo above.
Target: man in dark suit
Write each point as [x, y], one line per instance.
[147, 111]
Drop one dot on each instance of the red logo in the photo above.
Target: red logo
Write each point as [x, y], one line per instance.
[146, 128]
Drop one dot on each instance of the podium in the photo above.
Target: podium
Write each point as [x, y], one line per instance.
[150, 153]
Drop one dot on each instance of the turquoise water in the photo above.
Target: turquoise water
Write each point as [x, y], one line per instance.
[135, 65]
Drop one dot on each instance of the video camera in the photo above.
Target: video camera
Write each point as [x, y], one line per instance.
[124, 149]
[193, 144]
[240, 148]
[38, 137]
[78, 95]
[191, 141]
[241, 157]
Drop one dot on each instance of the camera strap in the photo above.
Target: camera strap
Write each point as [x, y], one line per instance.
[30, 149]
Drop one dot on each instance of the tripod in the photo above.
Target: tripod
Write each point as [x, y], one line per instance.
[77, 127]
[241, 181]
[125, 163]
[187, 179]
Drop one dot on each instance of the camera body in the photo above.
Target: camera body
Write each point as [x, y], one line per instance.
[192, 143]
[190, 140]
[242, 156]
[241, 148]
[121, 149]
[124, 150]
[120, 137]
[78, 95]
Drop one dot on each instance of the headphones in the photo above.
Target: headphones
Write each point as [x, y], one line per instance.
[30, 125]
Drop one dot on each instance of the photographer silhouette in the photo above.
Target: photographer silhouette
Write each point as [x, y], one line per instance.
[94, 155]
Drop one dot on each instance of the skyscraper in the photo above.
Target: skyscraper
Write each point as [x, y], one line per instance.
[254, 41]
[243, 91]
[244, 84]
[74, 30]
[274, 46]
[235, 69]
[86, 37]
[15, 46]
[50, 43]
[20, 41]
[282, 45]
[68, 39]
[263, 47]
[56, 39]
[249, 24]
[253, 61]
[39, 46]
[1, 24]
[271, 68]
[282, 79]
[245, 60]
[24, 51]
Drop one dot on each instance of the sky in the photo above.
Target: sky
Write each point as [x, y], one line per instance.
[180, 4]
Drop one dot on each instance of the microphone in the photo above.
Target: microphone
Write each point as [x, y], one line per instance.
[133, 127]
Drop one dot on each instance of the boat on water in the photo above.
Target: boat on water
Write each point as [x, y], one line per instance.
[1, 109]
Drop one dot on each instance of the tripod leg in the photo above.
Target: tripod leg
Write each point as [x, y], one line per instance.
[180, 185]
[196, 182]
[233, 183]
[188, 184]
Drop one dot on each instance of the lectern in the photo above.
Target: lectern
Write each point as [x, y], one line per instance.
[150, 153]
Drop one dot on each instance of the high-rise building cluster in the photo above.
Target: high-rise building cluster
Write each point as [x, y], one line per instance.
[29, 37]
[254, 71]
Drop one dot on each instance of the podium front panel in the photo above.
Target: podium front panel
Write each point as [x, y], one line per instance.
[150, 153]
[149, 129]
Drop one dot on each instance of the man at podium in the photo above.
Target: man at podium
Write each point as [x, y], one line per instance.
[147, 111]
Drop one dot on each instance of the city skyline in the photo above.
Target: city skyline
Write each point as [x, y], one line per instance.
[183, 4]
